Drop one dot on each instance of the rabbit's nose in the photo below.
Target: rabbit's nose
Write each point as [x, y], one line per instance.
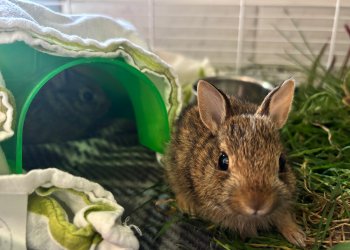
[256, 207]
[258, 204]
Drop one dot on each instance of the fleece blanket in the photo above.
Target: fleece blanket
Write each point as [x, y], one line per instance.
[68, 212]
[7, 114]
[87, 36]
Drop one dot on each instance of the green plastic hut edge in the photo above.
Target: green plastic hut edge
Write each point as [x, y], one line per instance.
[26, 71]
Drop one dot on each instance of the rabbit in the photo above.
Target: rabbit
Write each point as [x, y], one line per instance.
[66, 108]
[225, 162]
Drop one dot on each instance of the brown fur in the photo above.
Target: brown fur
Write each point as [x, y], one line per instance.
[253, 145]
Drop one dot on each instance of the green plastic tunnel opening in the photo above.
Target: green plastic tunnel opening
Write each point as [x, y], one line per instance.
[131, 93]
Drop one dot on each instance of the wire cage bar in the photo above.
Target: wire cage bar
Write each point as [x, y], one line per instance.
[233, 34]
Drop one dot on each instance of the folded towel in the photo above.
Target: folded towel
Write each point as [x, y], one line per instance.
[87, 36]
[68, 212]
[7, 114]
[7, 110]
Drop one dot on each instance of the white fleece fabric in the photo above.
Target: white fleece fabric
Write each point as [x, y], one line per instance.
[69, 212]
[87, 36]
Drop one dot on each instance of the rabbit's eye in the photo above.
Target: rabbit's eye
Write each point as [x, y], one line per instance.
[282, 163]
[223, 161]
[87, 96]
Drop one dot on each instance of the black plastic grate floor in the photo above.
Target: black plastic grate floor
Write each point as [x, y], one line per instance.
[128, 170]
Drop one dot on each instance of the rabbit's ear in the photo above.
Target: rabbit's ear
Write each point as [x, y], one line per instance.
[278, 102]
[212, 104]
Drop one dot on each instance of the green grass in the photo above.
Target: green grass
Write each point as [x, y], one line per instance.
[318, 139]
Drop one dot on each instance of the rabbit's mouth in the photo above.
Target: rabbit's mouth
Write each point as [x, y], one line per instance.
[248, 225]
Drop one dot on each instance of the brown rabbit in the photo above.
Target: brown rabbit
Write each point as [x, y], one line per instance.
[66, 108]
[225, 162]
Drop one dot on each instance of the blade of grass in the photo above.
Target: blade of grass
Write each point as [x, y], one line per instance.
[294, 45]
[167, 225]
[315, 65]
[301, 34]
[346, 206]
[341, 246]
[223, 245]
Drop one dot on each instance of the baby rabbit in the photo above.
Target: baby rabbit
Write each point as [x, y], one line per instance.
[68, 107]
[225, 162]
